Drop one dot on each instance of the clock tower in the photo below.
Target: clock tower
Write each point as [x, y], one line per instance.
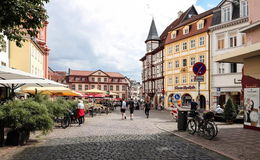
[152, 41]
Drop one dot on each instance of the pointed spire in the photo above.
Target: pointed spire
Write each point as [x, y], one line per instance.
[153, 35]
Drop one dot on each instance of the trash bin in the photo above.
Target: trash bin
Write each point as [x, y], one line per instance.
[182, 120]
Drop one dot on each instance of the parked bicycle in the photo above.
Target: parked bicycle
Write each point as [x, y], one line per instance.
[69, 118]
[204, 126]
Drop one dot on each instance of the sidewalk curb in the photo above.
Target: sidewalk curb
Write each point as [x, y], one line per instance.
[174, 132]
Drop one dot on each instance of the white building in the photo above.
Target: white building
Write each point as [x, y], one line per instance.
[228, 18]
[4, 53]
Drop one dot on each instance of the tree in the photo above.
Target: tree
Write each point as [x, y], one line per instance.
[21, 18]
[229, 111]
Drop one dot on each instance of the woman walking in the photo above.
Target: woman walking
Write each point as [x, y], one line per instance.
[147, 108]
[131, 108]
[80, 112]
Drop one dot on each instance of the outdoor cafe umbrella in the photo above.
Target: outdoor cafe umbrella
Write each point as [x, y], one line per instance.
[113, 94]
[9, 73]
[59, 91]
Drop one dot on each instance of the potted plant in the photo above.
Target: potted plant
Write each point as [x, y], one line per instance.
[229, 111]
[24, 117]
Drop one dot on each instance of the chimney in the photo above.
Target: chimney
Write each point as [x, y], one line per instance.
[179, 14]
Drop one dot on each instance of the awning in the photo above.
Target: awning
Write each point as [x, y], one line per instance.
[238, 55]
[17, 83]
[113, 94]
[9, 73]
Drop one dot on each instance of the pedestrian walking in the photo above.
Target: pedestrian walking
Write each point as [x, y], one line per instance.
[147, 108]
[123, 108]
[131, 108]
[80, 112]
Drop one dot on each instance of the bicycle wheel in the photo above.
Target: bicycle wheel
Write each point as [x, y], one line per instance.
[216, 129]
[209, 131]
[65, 123]
[192, 126]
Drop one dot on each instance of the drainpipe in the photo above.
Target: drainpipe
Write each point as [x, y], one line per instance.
[209, 68]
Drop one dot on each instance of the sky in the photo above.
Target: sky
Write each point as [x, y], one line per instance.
[108, 34]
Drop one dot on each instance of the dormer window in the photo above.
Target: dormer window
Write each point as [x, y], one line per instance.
[200, 24]
[226, 14]
[243, 8]
[173, 35]
[186, 30]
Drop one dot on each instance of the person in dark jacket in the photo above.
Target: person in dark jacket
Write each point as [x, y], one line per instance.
[131, 108]
[147, 108]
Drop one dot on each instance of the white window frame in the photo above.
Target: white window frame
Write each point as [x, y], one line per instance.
[177, 48]
[176, 80]
[184, 79]
[184, 46]
[202, 58]
[192, 43]
[186, 30]
[177, 64]
[243, 8]
[192, 61]
[170, 50]
[192, 78]
[232, 41]
[173, 35]
[226, 13]
[202, 41]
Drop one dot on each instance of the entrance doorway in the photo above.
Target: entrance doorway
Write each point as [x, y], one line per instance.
[202, 102]
[186, 99]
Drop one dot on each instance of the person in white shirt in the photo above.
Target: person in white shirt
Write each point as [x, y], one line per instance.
[219, 110]
[123, 108]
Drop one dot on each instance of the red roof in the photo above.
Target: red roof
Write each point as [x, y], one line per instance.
[87, 73]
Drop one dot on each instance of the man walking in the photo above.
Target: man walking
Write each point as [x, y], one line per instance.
[131, 108]
[147, 108]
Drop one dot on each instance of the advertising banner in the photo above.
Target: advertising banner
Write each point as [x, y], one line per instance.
[252, 107]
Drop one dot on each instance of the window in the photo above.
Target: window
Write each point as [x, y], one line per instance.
[200, 24]
[192, 61]
[176, 80]
[99, 87]
[202, 41]
[221, 44]
[79, 87]
[83, 79]
[226, 14]
[202, 60]
[105, 87]
[73, 87]
[184, 46]
[105, 79]
[192, 78]
[169, 50]
[92, 86]
[192, 43]
[93, 79]
[111, 88]
[243, 38]
[170, 81]
[177, 64]
[243, 8]
[184, 62]
[184, 80]
[123, 88]
[86, 87]
[169, 65]
[233, 67]
[99, 79]
[186, 30]
[173, 35]
[233, 41]
[177, 48]
[221, 68]
[117, 88]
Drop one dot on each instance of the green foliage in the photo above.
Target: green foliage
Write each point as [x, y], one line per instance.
[20, 18]
[27, 115]
[230, 111]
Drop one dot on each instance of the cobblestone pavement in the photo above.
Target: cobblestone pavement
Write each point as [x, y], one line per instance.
[109, 137]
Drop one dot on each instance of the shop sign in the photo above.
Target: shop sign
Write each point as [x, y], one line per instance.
[185, 87]
[252, 107]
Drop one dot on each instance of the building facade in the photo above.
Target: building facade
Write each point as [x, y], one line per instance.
[32, 57]
[135, 91]
[107, 81]
[152, 63]
[187, 43]
[228, 18]
[249, 55]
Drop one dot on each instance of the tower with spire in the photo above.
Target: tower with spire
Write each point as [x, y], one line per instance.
[153, 40]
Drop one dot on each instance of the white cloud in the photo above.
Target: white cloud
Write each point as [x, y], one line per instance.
[116, 29]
